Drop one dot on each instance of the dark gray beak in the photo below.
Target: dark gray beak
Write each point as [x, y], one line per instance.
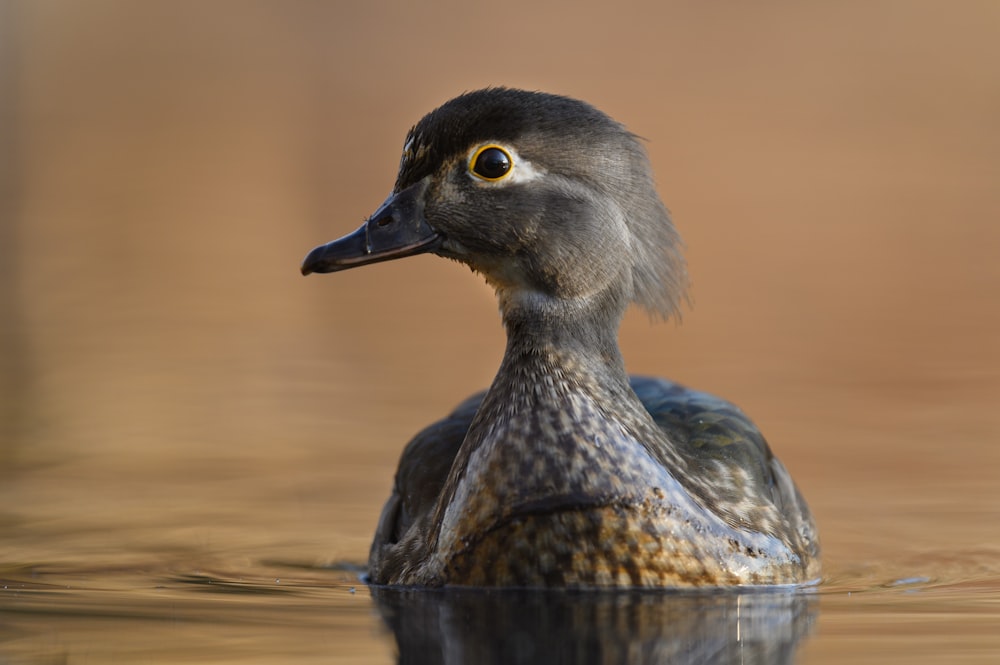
[395, 230]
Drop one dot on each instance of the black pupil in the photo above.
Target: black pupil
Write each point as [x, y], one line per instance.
[492, 163]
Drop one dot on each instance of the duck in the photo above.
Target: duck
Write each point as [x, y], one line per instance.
[566, 472]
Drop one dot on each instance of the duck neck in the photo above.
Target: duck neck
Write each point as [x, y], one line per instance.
[574, 338]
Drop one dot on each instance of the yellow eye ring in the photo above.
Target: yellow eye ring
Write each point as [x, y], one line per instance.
[491, 163]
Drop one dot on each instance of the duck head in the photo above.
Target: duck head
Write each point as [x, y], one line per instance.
[547, 197]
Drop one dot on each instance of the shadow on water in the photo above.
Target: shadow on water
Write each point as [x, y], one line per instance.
[488, 626]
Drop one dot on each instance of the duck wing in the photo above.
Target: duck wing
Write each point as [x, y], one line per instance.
[729, 465]
[711, 434]
[423, 470]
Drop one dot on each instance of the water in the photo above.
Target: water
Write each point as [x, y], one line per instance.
[274, 612]
[195, 441]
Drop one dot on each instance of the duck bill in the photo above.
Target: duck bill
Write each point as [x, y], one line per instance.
[397, 229]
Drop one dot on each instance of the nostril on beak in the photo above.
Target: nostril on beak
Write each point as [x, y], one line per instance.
[385, 221]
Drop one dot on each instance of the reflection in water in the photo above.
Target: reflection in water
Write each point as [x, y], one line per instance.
[505, 626]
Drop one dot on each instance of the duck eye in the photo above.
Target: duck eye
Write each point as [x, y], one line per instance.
[491, 162]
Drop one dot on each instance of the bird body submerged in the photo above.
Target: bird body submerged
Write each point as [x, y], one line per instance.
[566, 472]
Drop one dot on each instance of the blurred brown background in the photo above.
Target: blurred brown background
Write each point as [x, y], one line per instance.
[171, 384]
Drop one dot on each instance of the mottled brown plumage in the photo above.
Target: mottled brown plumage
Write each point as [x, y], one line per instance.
[566, 472]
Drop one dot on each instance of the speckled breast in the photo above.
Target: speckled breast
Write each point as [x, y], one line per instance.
[591, 508]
